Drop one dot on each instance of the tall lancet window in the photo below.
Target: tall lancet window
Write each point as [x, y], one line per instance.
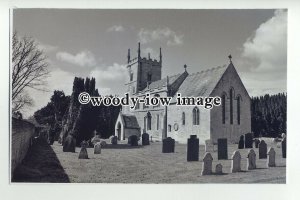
[231, 105]
[149, 121]
[238, 110]
[196, 116]
[183, 118]
[223, 108]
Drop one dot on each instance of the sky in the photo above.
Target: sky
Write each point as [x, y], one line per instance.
[94, 43]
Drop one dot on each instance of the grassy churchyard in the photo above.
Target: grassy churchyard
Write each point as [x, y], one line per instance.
[147, 164]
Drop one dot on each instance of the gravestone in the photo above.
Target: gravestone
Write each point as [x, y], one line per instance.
[219, 169]
[283, 147]
[236, 162]
[248, 140]
[222, 149]
[207, 164]
[83, 152]
[193, 148]
[133, 140]
[256, 142]
[241, 142]
[69, 144]
[97, 148]
[168, 145]
[262, 150]
[114, 140]
[209, 146]
[251, 160]
[271, 158]
[145, 139]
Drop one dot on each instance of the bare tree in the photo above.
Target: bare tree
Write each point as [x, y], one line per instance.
[29, 70]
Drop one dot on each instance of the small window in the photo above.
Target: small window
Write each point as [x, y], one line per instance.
[149, 117]
[183, 118]
[131, 76]
[196, 116]
[231, 105]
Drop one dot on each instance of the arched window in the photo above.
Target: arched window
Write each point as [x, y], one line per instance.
[238, 109]
[149, 121]
[231, 105]
[223, 108]
[195, 116]
[131, 76]
[183, 118]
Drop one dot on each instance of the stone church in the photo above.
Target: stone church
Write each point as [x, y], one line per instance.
[229, 120]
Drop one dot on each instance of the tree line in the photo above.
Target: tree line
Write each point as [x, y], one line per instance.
[66, 116]
[268, 115]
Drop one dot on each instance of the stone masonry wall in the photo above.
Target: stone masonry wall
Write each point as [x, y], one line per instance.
[22, 132]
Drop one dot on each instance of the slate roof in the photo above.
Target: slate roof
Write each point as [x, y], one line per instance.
[163, 82]
[130, 121]
[201, 83]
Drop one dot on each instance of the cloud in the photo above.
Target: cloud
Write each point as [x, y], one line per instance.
[153, 53]
[146, 36]
[116, 28]
[84, 58]
[110, 79]
[58, 80]
[47, 47]
[264, 55]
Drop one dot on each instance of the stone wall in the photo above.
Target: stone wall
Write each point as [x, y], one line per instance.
[232, 132]
[22, 133]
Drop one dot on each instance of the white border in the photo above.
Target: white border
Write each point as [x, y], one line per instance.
[162, 191]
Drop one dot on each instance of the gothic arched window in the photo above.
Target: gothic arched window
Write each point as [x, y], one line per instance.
[196, 116]
[238, 109]
[149, 121]
[231, 105]
[223, 108]
[183, 118]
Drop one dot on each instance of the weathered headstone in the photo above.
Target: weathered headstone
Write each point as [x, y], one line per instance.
[222, 149]
[133, 140]
[97, 148]
[283, 147]
[69, 144]
[114, 140]
[219, 169]
[256, 142]
[248, 140]
[83, 152]
[207, 164]
[168, 145]
[193, 148]
[251, 158]
[209, 146]
[262, 149]
[236, 162]
[241, 142]
[145, 139]
[271, 158]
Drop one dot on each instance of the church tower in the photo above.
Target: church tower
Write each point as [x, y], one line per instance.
[142, 71]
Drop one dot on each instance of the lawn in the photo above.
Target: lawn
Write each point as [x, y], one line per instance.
[147, 164]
